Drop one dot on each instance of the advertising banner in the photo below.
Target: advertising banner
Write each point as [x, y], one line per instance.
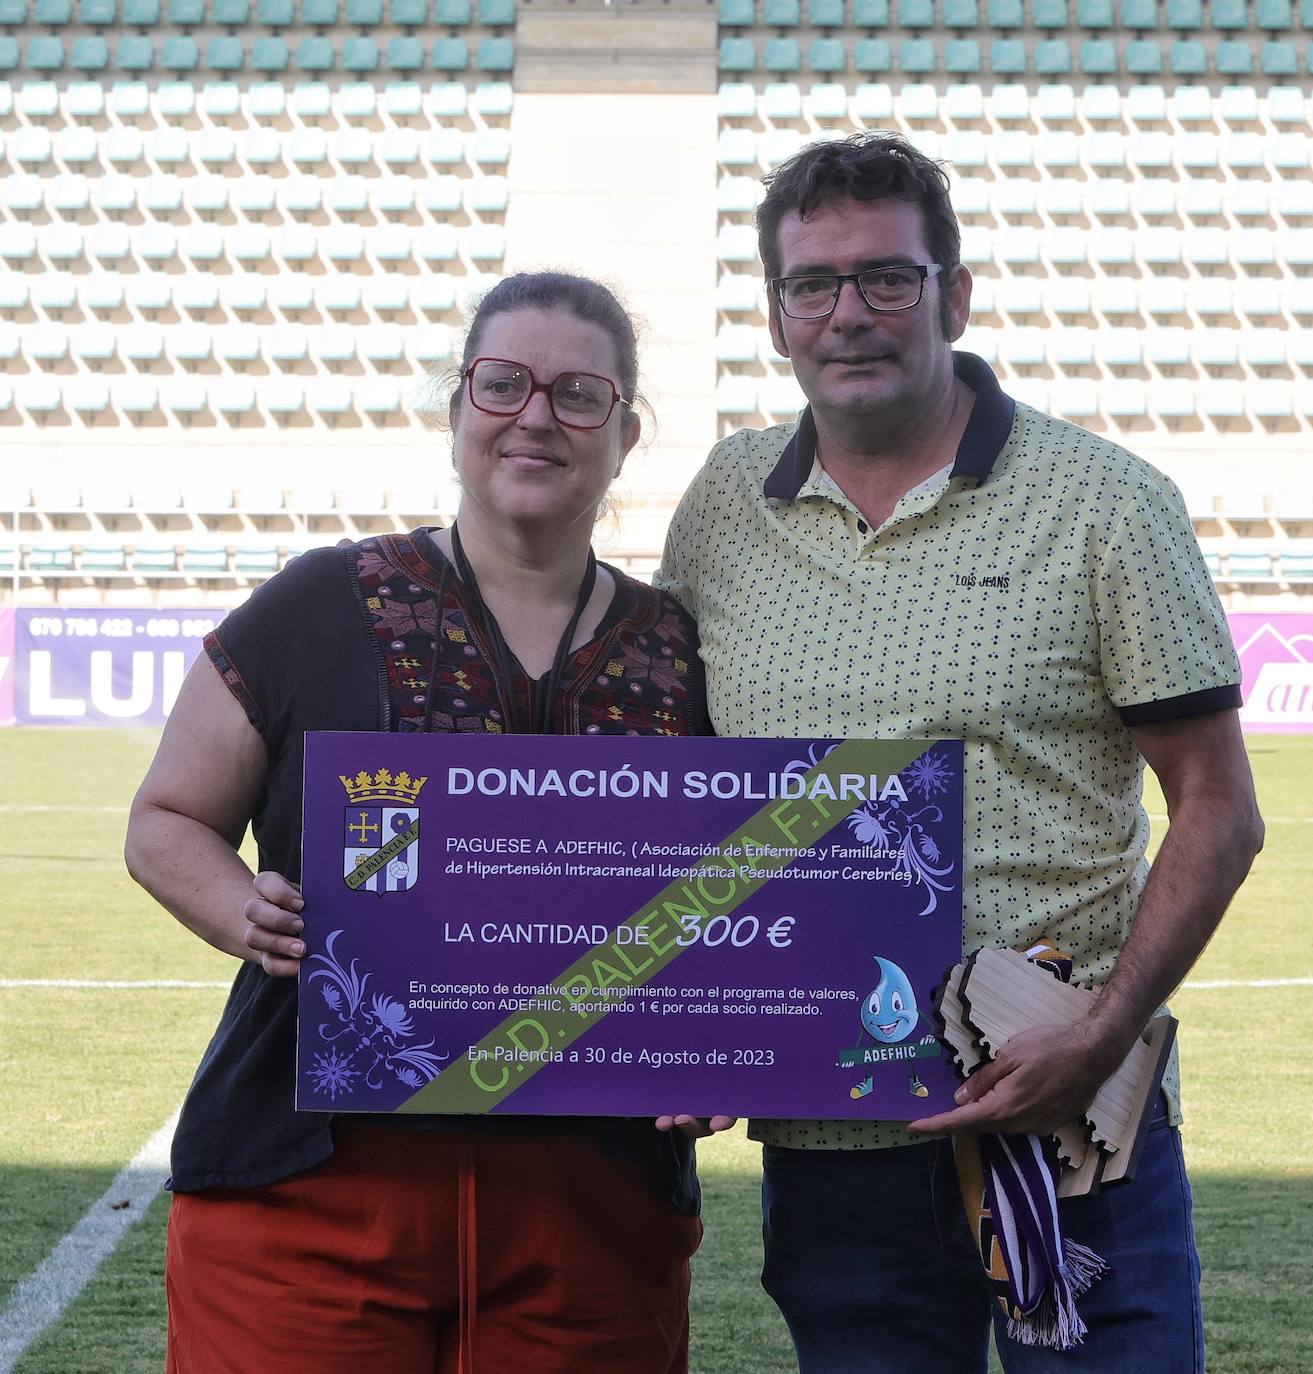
[1276, 657]
[628, 926]
[7, 667]
[103, 667]
[109, 667]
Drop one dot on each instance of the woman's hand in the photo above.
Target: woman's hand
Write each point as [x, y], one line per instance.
[695, 1127]
[273, 923]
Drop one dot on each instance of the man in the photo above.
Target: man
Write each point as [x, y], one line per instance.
[921, 556]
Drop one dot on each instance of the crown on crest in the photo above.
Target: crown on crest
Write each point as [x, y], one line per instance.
[383, 786]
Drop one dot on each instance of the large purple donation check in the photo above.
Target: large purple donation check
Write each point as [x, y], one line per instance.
[627, 926]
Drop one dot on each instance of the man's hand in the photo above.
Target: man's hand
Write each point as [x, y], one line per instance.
[1043, 1078]
[695, 1127]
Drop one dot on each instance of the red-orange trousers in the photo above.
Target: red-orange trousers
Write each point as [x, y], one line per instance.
[415, 1251]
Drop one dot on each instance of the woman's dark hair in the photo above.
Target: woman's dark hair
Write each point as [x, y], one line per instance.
[865, 166]
[585, 299]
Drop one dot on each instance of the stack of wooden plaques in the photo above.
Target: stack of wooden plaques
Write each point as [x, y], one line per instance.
[995, 994]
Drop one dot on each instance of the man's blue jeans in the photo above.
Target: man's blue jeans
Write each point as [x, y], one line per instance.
[869, 1258]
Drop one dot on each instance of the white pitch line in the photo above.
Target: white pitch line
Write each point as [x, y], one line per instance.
[1247, 983]
[1160, 818]
[121, 985]
[103, 983]
[40, 1299]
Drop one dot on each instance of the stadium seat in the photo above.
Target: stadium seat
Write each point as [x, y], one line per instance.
[1229, 14]
[312, 99]
[1143, 58]
[1098, 57]
[391, 243]
[1155, 198]
[180, 54]
[1146, 104]
[453, 13]
[917, 56]
[491, 98]
[360, 55]
[1055, 102]
[1285, 105]
[315, 54]
[1234, 58]
[309, 147]
[365, 14]
[826, 55]
[1007, 57]
[1275, 16]
[1152, 149]
[1189, 58]
[440, 194]
[90, 54]
[340, 296]
[1005, 14]
[828, 100]
[356, 100]
[782, 55]
[1060, 148]
[1062, 198]
[870, 14]
[453, 54]
[872, 55]
[388, 293]
[269, 54]
[405, 54]
[824, 14]
[1279, 58]
[496, 13]
[1052, 57]
[445, 147]
[491, 147]
[135, 53]
[221, 98]
[215, 147]
[319, 13]
[1185, 16]
[734, 243]
[38, 99]
[782, 100]
[962, 57]
[1260, 300]
[54, 13]
[1049, 14]
[45, 54]
[402, 99]
[1094, 14]
[781, 13]
[277, 14]
[914, 14]
[13, 13]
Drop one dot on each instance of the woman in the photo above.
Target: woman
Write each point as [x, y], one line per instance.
[301, 1243]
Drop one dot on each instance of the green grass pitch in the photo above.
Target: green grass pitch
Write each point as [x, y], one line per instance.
[87, 1075]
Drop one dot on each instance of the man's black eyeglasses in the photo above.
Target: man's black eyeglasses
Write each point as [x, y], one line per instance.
[814, 295]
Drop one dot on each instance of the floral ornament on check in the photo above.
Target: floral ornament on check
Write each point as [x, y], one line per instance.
[902, 823]
[366, 1040]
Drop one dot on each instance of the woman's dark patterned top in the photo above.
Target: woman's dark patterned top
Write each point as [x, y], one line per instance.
[638, 675]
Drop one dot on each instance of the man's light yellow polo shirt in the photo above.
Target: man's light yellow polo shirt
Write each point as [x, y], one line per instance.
[1034, 600]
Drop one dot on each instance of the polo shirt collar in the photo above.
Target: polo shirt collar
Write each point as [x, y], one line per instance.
[987, 431]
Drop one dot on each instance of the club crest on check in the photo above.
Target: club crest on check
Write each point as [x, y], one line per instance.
[380, 849]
